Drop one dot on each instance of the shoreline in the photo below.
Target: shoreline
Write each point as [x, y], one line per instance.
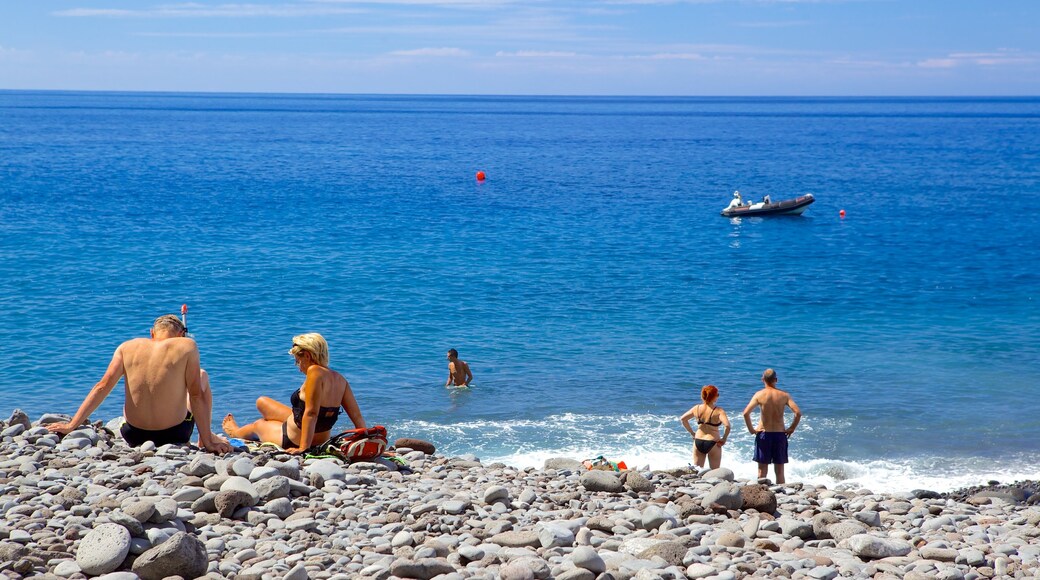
[90, 503]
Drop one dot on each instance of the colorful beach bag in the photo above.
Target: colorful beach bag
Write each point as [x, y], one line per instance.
[358, 444]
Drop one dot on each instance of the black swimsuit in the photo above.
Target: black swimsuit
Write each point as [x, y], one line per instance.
[327, 417]
[179, 433]
[706, 445]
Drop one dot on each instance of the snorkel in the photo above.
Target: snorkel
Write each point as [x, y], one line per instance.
[184, 320]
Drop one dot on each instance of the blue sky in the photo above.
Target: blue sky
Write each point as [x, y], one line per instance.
[592, 47]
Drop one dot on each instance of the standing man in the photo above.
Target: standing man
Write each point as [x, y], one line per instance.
[166, 391]
[458, 371]
[770, 435]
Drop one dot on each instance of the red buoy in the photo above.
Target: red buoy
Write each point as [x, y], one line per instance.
[841, 213]
[480, 176]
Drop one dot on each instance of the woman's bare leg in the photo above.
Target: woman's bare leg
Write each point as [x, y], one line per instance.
[272, 410]
[259, 430]
[715, 457]
[698, 457]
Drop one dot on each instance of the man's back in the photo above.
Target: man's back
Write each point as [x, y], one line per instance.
[772, 401]
[157, 375]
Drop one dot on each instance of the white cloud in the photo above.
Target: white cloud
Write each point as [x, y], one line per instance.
[536, 54]
[438, 52]
[957, 59]
[675, 56]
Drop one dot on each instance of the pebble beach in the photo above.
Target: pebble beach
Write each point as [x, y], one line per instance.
[88, 505]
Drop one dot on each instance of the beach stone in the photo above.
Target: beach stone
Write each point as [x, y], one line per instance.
[18, 417]
[517, 539]
[527, 496]
[758, 497]
[281, 507]
[206, 503]
[131, 524]
[551, 536]
[697, 571]
[67, 568]
[576, 574]
[402, 538]
[516, 570]
[262, 473]
[416, 445]
[471, 553]
[10, 552]
[454, 506]
[598, 480]
[298, 572]
[971, 557]
[324, 470]
[722, 473]
[726, 494]
[14, 431]
[188, 494]
[869, 517]
[822, 573]
[730, 540]
[939, 554]
[846, 529]
[165, 510]
[795, 528]
[226, 502]
[654, 517]
[587, 558]
[182, 555]
[272, 487]
[201, 465]
[239, 483]
[103, 549]
[874, 547]
[563, 464]
[142, 511]
[821, 522]
[671, 552]
[423, 568]
[496, 493]
[242, 467]
[638, 483]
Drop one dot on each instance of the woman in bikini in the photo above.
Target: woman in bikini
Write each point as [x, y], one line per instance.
[706, 440]
[315, 405]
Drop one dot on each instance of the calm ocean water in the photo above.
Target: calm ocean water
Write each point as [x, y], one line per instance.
[590, 282]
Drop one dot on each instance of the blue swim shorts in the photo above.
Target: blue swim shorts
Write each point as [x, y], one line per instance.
[771, 447]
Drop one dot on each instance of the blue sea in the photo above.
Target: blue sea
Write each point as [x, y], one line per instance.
[589, 281]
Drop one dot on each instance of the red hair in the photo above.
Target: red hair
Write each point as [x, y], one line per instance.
[709, 392]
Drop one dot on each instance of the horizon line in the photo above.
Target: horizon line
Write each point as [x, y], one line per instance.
[511, 95]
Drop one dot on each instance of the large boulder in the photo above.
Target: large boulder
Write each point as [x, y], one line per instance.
[182, 555]
[724, 493]
[416, 445]
[758, 497]
[103, 549]
[636, 482]
[597, 480]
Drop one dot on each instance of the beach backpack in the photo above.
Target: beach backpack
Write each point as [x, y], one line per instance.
[358, 444]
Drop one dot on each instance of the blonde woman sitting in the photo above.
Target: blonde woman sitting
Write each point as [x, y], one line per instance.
[706, 440]
[315, 406]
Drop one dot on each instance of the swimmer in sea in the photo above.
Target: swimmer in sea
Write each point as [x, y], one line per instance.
[459, 374]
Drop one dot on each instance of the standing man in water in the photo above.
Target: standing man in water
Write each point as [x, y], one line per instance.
[771, 435]
[166, 391]
[458, 371]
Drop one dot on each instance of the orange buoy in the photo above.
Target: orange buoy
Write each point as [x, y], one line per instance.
[841, 213]
[480, 176]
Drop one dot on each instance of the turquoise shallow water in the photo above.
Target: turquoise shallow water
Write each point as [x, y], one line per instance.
[589, 281]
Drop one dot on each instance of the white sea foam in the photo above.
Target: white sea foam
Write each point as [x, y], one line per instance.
[659, 442]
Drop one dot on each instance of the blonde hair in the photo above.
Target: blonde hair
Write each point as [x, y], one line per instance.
[313, 344]
[170, 323]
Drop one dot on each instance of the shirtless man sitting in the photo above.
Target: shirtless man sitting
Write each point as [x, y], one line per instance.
[770, 435]
[458, 371]
[166, 391]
